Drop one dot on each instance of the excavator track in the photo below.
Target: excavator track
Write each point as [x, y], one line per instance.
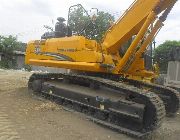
[137, 113]
[170, 96]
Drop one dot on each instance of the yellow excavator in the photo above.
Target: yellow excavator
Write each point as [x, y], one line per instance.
[111, 86]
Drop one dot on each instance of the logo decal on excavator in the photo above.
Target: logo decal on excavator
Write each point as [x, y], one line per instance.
[67, 50]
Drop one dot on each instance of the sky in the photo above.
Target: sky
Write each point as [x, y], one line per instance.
[26, 18]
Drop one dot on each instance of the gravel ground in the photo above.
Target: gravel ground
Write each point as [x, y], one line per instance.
[24, 116]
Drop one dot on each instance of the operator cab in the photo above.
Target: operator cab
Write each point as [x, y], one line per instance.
[61, 30]
[64, 30]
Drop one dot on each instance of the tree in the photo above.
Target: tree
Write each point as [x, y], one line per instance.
[7, 46]
[161, 54]
[95, 28]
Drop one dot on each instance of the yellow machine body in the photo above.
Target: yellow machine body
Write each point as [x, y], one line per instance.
[79, 53]
[76, 53]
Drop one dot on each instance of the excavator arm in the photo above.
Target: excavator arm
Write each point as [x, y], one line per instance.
[132, 21]
[142, 20]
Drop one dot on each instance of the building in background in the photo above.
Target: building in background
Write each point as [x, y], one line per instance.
[20, 58]
[173, 74]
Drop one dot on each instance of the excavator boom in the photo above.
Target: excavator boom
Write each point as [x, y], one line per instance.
[131, 22]
[144, 25]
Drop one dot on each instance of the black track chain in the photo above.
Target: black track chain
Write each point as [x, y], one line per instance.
[150, 98]
[173, 106]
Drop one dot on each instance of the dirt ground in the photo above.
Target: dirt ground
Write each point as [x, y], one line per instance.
[24, 116]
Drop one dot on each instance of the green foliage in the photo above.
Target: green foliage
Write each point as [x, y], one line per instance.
[161, 54]
[82, 25]
[7, 46]
[21, 47]
[103, 23]
[4, 64]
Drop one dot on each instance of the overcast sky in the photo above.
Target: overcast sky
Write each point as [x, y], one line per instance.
[25, 18]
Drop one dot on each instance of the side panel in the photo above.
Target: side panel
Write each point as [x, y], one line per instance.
[75, 53]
